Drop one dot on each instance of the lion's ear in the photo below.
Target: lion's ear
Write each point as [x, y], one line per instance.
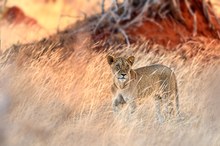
[131, 60]
[110, 59]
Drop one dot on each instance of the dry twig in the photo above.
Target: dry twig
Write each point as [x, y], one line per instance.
[133, 12]
[194, 17]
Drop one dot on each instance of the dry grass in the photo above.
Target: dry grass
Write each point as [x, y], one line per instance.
[51, 102]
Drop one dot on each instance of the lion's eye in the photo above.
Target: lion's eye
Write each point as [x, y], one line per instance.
[127, 67]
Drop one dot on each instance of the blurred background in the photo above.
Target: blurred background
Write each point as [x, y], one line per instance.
[28, 20]
[56, 91]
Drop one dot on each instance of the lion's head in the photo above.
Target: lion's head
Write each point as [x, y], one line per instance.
[121, 69]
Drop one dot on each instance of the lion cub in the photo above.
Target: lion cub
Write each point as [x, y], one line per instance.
[158, 81]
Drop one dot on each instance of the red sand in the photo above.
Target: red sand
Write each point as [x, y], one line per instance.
[172, 32]
[14, 15]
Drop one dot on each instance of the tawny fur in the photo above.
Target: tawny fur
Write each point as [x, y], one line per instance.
[156, 81]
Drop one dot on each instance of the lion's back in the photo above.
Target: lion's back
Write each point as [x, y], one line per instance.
[153, 69]
[155, 78]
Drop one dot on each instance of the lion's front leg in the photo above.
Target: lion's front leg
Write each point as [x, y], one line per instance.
[117, 100]
[132, 106]
[158, 102]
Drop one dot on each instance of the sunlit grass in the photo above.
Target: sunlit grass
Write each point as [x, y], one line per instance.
[68, 102]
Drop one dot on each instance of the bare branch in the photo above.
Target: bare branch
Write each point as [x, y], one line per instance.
[103, 7]
[142, 17]
[100, 21]
[160, 12]
[115, 4]
[194, 17]
[131, 12]
[175, 9]
[125, 35]
[205, 11]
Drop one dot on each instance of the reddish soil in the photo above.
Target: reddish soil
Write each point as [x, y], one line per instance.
[173, 32]
[173, 36]
[14, 15]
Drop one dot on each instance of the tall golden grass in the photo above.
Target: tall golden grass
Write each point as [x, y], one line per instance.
[49, 101]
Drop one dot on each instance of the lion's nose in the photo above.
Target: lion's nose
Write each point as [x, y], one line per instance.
[123, 74]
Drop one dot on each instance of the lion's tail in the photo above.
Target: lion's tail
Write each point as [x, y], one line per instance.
[174, 93]
[177, 104]
[176, 99]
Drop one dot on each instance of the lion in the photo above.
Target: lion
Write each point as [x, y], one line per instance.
[157, 81]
